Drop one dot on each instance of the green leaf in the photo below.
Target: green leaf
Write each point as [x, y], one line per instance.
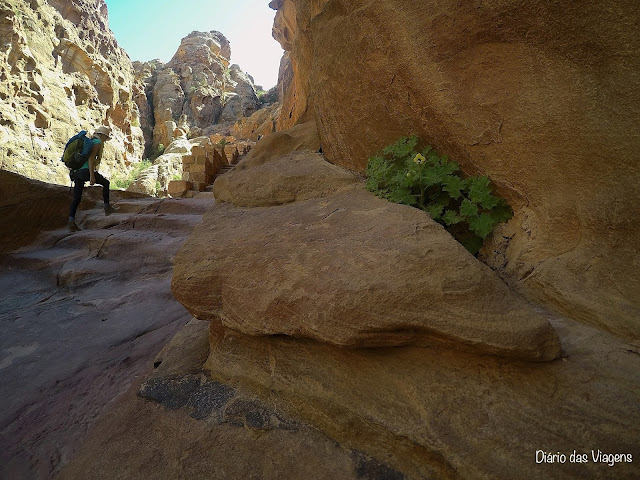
[434, 211]
[451, 218]
[482, 225]
[453, 185]
[501, 212]
[468, 209]
[478, 189]
[403, 148]
[490, 202]
[371, 185]
[402, 196]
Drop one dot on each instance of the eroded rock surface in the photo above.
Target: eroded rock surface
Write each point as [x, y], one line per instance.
[297, 176]
[299, 138]
[209, 429]
[61, 71]
[544, 98]
[352, 270]
[441, 414]
[344, 267]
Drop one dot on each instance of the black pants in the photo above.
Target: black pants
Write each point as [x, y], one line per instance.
[81, 176]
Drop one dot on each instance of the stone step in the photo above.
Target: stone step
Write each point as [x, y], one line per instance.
[182, 206]
[41, 260]
[75, 274]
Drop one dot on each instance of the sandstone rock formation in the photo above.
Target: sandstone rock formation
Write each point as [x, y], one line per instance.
[197, 89]
[436, 414]
[350, 270]
[209, 429]
[343, 267]
[297, 176]
[286, 287]
[543, 98]
[62, 71]
[261, 123]
[303, 137]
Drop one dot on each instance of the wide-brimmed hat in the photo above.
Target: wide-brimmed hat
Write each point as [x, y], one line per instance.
[103, 130]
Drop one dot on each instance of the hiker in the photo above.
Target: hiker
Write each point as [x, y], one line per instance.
[88, 171]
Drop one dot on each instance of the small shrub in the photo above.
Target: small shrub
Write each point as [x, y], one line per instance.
[118, 182]
[466, 208]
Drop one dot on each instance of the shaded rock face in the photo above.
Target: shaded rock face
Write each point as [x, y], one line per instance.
[197, 89]
[62, 71]
[30, 206]
[208, 429]
[441, 414]
[542, 98]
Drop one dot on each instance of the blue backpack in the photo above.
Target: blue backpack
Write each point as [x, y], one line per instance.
[76, 151]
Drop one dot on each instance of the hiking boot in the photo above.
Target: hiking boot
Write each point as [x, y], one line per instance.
[108, 210]
[73, 227]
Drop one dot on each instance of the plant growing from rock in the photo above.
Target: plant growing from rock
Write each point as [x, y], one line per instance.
[466, 207]
[118, 182]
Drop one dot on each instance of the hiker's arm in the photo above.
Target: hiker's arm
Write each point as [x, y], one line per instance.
[92, 163]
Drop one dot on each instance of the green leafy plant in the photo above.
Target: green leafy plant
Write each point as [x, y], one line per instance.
[121, 182]
[466, 207]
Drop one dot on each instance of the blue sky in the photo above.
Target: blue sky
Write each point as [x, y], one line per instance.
[149, 29]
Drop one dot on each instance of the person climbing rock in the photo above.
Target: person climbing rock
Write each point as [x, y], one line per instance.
[94, 147]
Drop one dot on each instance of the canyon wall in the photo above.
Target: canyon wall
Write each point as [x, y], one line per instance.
[543, 97]
[197, 93]
[61, 71]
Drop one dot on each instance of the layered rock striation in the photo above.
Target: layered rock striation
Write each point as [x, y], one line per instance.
[61, 71]
[543, 98]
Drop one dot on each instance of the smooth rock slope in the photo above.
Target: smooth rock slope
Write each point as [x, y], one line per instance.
[82, 316]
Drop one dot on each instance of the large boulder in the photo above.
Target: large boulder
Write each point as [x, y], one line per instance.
[348, 269]
[541, 97]
[299, 138]
[297, 176]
